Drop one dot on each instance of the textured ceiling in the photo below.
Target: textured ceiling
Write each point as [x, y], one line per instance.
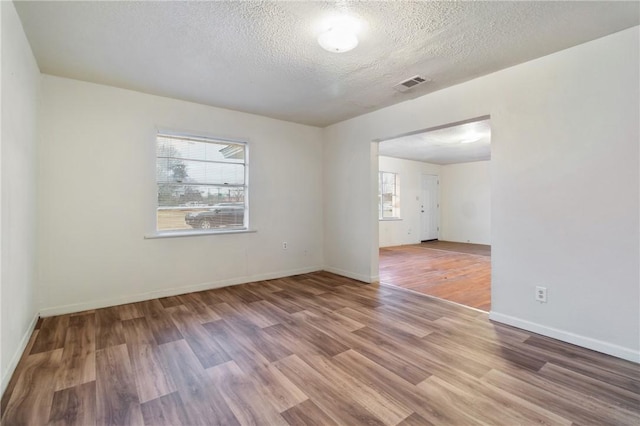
[263, 58]
[462, 143]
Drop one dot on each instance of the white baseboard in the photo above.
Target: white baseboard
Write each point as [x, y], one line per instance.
[364, 278]
[96, 304]
[566, 336]
[6, 375]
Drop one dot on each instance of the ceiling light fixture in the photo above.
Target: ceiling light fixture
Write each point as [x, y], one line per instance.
[340, 35]
[470, 140]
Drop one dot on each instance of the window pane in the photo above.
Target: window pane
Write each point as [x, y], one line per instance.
[225, 216]
[187, 149]
[389, 201]
[201, 184]
[177, 195]
[171, 170]
[199, 207]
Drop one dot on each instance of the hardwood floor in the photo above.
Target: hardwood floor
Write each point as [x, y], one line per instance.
[456, 272]
[480, 249]
[314, 349]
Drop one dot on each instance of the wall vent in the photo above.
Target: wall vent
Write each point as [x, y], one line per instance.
[409, 83]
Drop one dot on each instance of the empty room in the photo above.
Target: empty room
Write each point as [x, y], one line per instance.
[191, 203]
[435, 212]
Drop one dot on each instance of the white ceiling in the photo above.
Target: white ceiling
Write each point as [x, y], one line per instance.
[263, 58]
[461, 143]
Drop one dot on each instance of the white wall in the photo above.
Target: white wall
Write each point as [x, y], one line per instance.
[465, 203]
[98, 194]
[20, 91]
[564, 182]
[406, 230]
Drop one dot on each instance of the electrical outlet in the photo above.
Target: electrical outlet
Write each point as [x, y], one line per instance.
[541, 294]
[284, 245]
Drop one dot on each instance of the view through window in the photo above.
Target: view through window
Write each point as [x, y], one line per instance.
[388, 196]
[202, 184]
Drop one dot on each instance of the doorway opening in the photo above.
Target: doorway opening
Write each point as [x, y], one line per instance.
[437, 241]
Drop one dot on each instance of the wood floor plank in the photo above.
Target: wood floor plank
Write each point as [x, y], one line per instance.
[6, 396]
[415, 419]
[479, 249]
[284, 302]
[243, 397]
[310, 349]
[250, 334]
[392, 314]
[386, 381]
[167, 410]
[196, 305]
[162, 327]
[52, 334]
[389, 357]
[453, 271]
[138, 331]
[576, 408]
[253, 313]
[79, 354]
[271, 314]
[207, 350]
[385, 407]
[129, 311]
[279, 390]
[375, 320]
[479, 328]
[307, 413]
[589, 386]
[208, 297]
[303, 340]
[74, 406]
[562, 351]
[487, 405]
[171, 301]
[116, 394]
[152, 381]
[31, 400]
[108, 328]
[313, 337]
[331, 401]
[454, 400]
[201, 398]
[490, 354]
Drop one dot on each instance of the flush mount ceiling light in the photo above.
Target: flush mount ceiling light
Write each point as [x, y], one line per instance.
[470, 140]
[340, 35]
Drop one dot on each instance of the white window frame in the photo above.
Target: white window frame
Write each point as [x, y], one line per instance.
[396, 196]
[200, 232]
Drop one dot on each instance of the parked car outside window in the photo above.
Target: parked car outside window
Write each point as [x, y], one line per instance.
[218, 216]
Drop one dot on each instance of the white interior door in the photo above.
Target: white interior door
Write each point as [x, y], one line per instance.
[429, 208]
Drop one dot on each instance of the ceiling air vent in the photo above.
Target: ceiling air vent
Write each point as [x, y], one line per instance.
[403, 86]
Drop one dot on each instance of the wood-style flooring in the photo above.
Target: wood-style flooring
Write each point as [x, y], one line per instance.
[480, 249]
[456, 272]
[314, 349]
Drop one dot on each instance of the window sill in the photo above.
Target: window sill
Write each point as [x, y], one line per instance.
[179, 234]
[390, 219]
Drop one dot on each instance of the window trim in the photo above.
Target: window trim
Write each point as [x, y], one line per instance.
[207, 138]
[195, 233]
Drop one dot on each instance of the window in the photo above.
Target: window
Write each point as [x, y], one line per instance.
[202, 184]
[388, 196]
